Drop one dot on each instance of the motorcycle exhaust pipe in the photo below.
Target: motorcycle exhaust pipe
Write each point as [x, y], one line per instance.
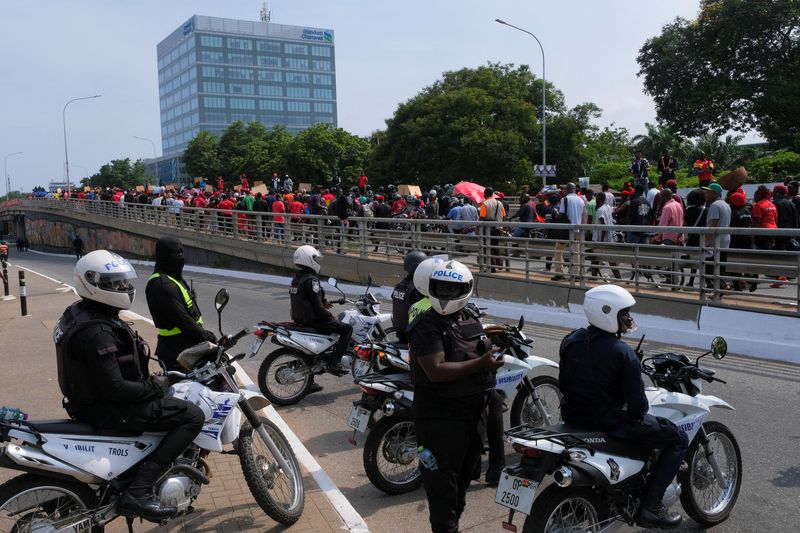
[563, 477]
[388, 408]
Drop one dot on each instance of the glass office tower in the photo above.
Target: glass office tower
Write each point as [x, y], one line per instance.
[214, 71]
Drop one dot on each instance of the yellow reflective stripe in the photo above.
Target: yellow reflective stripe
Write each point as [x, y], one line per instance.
[418, 308]
[186, 298]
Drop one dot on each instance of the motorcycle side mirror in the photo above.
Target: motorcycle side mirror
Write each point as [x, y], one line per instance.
[369, 282]
[521, 323]
[220, 301]
[719, 347]
[332, 282]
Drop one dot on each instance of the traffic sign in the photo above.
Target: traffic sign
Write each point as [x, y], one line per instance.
[547, 171]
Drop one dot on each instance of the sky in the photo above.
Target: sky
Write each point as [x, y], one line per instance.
[386, 52]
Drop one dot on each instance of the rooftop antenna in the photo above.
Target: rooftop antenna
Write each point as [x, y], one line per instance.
[266, 14]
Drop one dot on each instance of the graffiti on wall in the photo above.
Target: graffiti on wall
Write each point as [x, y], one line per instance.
[60, 234]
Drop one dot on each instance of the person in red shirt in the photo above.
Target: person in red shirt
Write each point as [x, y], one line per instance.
[399, 205]
[198, 202]
[220, 183]
[225, 215]
[278, 221]
[765, 215]
[245, 183]
[362, 182]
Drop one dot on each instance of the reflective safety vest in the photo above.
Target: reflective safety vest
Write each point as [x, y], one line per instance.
[417, 309]
[187, 300]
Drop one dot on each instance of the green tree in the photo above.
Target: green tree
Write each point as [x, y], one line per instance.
[119, 173]
[323, 151]
[725, 152]
[659, 138]
[733, 68]
[201, 156]
[233, 152]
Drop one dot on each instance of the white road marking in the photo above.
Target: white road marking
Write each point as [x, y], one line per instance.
[65, 288]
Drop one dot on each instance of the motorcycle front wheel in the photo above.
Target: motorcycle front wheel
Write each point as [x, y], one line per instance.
[701, 495]
[390, 455]
[284, 377]
[36, 503]
[571, 509]
[279, 494]
[525, 411]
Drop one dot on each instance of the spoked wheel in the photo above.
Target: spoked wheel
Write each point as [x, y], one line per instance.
[284, 377]
[704, 500]
[525, 411]
[571, 510]
[280, 494]
[390, 456]
[31, 503]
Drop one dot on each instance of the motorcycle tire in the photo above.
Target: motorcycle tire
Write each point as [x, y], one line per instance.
[378, 450]
[262, 473]
[571, 509]
[82, 497]
[699, 476]
[271, 391]
[522, 402]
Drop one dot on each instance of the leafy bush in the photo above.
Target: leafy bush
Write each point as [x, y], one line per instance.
[773, 167]
[610, 172]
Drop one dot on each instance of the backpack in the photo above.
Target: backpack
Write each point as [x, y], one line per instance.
[368, 213]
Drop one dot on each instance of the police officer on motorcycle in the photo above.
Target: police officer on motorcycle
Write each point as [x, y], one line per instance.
[310, 308]
[600, 377]
[103, 374]
[452, 373]
[172, 305]
[405, 295]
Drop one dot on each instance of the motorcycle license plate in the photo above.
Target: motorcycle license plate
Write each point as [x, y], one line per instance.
[358, 419]
[360, 367]
[256, 345]
[516, 493]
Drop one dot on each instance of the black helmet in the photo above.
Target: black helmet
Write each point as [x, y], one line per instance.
[412, 261]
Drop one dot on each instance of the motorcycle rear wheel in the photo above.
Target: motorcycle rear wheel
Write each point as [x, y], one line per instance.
[390, 455]
[32, 503]
[702, 498]
[523, 410]
[279, 494]
[277, 377]
[570, 509]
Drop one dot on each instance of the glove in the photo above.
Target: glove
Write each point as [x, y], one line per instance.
[161, 381]
[327, 304]
[209, 336]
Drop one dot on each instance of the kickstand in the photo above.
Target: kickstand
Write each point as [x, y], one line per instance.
[352, 440]
[129, 522]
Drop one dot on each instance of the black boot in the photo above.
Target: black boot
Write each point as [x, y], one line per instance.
[492, 477]
[139, 500]
[653, 514]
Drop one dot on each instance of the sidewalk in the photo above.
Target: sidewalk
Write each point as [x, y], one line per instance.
[29, 381]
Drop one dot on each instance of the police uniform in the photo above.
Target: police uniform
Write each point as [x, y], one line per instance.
[403, 297]
[307, 299]
[600, 378]
[447, 414]
[102, 372]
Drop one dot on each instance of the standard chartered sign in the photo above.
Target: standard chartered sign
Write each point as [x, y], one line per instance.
[323, 36]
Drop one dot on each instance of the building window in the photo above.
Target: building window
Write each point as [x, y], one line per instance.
[268, 46]
[270, 90]
[212, 57]
[301, 107]
[213, 72]
[323, 107]
[321, 65]
[215, 117]
[324, 120]
[298, 92]
[294, 77]
[244, 117]
[322, 79]
[240, 73]
[321, 51]
[242, 88]
[271, 119]
[299, 121]
[214, 101]
[211, 40]
[242, 103]
[323, 94]
[298, 49]
[296, 63]
[270, 105]
[240, 44]
[270, 75]
[240, 59]
[269, 61]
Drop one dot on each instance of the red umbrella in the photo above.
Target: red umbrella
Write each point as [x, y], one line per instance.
[473, 191]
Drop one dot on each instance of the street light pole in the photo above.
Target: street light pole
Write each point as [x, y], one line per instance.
[5, 173]
[155, 163]
[64, 121]
[544, 100]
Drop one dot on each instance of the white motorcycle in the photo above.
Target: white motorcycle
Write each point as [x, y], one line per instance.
[75, 474]
[286, 374]
[599, 481]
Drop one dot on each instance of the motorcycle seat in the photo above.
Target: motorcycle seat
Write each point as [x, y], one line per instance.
[71, 427]
[602, 442]
[291, 326]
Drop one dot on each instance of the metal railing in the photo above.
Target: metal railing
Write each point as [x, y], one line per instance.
[765, 280]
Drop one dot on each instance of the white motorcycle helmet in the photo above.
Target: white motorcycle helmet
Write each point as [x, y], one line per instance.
[422, 274]
[607, 307]
[450, 287]
[104, 277]
[307, 256]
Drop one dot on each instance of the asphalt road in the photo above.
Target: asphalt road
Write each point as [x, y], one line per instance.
[765, 423]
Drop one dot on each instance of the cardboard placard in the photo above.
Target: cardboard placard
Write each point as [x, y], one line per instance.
[257, 183]
[306, 186]
[413, 190]
[198, 180]
[259, 188]
[209, 188]
[237, 188]
[87, 189]
[140, 188]
[170, 187]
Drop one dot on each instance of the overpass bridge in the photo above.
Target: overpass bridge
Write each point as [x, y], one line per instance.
[516, 273]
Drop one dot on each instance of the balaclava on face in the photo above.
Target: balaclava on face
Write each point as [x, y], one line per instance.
[169, 256]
